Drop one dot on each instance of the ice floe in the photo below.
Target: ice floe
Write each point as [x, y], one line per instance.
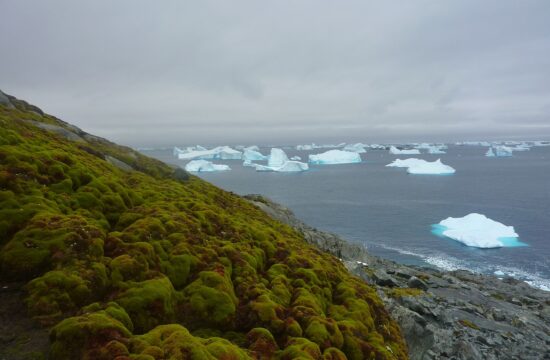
[477, 230]
[335, 157]
[205, 166]
[499, 151]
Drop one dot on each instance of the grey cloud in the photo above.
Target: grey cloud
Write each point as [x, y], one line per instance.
[176, 72]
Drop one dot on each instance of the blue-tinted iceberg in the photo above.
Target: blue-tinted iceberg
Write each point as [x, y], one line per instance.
[253, 155]
[499, 151]
[335, 157]
[423, 167]
[296, 158]
[279, 162]
[478, 231]
[205, 166]
[396, 151]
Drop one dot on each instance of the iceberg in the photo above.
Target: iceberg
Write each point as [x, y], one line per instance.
[477, 230]
[220, 152]
[430, 168]
[396, 151]
[335, 157]
[499, 151]
[205, 166]
[406, 163]
[278, 161]
[358, 148]
[253, 155]
[422, 167]
[296, 158]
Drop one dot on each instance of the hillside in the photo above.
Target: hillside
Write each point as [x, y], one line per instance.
[117, 255]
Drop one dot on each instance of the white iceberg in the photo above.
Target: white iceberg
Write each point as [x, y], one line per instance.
[478, 231]
[422, 167]
[335, 157]
[296, 158]
[396, 151]
[499, 151]
[305, 147]
[205, 166]
[279, 162]
[220, 152]
[358, 148]
[406, 163]
[430, 168]
[253, 155]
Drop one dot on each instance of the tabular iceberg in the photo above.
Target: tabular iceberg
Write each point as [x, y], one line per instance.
[205, 166]
[430, 168]
[335, 157]
[396, 151]
[358, 148]
[499, 151]
[478, 231]
[220, 152]
[278, 161]
[422, 167]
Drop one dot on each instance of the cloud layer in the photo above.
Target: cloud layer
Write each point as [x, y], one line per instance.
[178, 72]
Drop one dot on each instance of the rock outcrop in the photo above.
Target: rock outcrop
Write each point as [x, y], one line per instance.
[444, 315]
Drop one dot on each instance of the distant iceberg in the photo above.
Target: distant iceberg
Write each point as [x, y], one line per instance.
[499, 151]
[478, 231]
[358, 148]
[253, 155]
[296, 158]
[220, 152]
[279, 162]
[335, 157]
[313, 146]
[431, 168]
[396, 151]
[205, 166]
[422, 167]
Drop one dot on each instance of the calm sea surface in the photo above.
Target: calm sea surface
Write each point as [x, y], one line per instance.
[391, 212]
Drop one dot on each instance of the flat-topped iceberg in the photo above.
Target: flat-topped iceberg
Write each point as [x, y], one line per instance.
[396, 151]
[205, 166]
[477, 230]
[422, 167]
[220, 152]
[430, 168]
[358, 148]
[335, 157]
[499, 151]
[279, 162]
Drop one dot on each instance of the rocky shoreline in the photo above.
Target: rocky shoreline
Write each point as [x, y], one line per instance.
[443, 314]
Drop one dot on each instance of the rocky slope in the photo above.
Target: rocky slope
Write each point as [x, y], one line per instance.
[444, 315]
[108, 254]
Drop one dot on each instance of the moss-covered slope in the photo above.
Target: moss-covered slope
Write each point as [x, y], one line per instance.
[150, 263]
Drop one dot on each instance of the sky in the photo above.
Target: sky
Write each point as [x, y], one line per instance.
[162, 73]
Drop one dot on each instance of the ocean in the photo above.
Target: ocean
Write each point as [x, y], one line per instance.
[392, 213]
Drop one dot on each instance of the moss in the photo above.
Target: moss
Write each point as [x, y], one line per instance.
[404, 292]
[133, 253]
[149, 303]
[468, 323]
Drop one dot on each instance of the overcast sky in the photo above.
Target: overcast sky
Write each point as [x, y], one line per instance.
[147, 73]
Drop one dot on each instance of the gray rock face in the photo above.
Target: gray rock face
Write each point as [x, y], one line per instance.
[4, 100]
[118, 163]
[444, 315]
[67, 134]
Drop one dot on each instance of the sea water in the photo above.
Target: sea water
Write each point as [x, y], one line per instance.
[392, 212]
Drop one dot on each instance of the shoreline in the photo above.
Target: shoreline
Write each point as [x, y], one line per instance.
[443, 314]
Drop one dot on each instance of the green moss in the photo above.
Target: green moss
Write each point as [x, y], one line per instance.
[134, 254]
[469, 324]
[149, 303]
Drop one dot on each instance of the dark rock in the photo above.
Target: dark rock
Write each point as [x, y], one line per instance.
[383, 279]
[416, 283]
